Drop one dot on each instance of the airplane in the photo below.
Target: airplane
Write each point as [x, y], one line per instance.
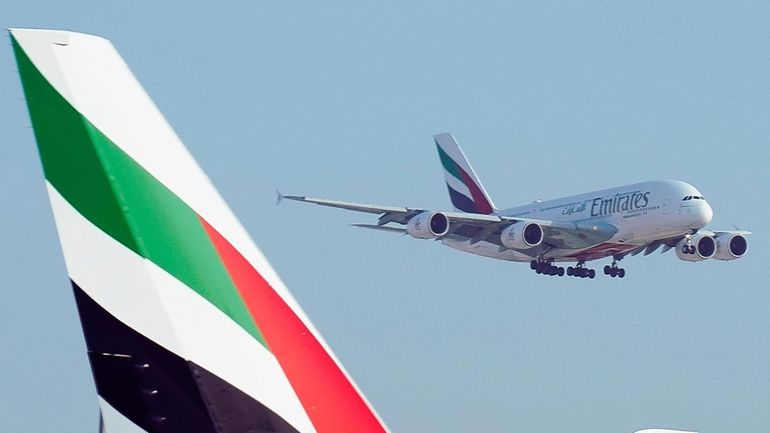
[615, 222]
[187, 326]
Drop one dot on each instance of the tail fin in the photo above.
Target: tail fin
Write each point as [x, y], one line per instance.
[465, 189]
[188, 328]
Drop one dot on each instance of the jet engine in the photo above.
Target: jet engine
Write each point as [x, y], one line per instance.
[522, 235]
[428, 225]
[701, 247]
[730, 246]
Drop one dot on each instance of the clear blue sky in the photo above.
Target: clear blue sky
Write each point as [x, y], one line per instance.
[341, 101]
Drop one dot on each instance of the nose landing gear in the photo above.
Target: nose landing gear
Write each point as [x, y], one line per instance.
[613, 270]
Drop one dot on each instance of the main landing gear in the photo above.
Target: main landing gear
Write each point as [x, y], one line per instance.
[546, 268]
[613, 270]
[581, 272]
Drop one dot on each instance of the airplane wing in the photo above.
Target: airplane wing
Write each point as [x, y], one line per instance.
[476, 227]
[668, 244]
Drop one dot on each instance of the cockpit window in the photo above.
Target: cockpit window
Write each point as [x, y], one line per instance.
[689, 197]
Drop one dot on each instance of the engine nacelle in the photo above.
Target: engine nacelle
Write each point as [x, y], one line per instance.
[428, 225]
[730, 246]
[522, 235]
[702, 247]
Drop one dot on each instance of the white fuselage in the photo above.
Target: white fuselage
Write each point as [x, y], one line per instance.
[643, 212]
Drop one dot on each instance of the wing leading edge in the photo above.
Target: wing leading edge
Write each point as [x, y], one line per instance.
[476, 227]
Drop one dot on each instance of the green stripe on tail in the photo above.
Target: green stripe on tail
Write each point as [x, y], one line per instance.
[120, 197]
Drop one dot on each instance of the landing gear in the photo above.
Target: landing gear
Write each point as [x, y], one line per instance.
[688, 247]
[613, 270]
[544, 267]
[580, 272]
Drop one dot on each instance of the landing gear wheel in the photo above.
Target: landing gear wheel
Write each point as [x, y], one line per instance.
[569, 271]
[607, 269]
[591, 274]
[546, 268]
[621, 273]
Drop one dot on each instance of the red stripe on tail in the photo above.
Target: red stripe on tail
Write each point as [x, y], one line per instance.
[479, 199]
[330, 400]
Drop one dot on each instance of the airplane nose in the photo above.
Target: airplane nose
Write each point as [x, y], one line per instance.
[705, 214]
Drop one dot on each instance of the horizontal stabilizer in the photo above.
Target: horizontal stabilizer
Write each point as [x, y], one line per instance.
[381, 228]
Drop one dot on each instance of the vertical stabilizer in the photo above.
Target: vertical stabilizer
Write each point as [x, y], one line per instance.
[188, 328]
[465, 190]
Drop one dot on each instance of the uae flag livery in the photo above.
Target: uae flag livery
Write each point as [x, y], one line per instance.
[188, 327]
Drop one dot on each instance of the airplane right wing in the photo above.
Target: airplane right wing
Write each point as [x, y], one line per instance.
[473, 227]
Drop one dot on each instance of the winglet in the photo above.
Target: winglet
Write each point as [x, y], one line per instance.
[280, 197]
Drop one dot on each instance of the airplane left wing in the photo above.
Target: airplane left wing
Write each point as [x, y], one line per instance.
[477, 227]
[358, 207]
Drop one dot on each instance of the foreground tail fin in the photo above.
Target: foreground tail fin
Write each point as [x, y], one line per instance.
[188, 328]
[465, 189]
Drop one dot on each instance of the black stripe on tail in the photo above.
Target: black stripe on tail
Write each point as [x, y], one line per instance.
[159, 391]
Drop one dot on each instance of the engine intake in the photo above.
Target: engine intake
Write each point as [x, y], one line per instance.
[428, 225]
[522, 235]
[702, 247]
[730, 246]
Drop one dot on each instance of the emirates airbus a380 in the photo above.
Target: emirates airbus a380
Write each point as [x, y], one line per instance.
[615, 222]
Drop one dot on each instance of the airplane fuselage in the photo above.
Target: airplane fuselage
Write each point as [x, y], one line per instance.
[642, 213]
